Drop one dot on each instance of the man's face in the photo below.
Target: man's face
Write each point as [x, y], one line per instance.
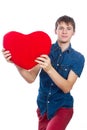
[64, 32]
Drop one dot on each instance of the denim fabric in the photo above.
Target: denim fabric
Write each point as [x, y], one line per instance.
[51, 97]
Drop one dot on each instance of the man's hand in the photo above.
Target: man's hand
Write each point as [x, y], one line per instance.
[44, 62]
[7, 55]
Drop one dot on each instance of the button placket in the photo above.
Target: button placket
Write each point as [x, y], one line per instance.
[59, 60]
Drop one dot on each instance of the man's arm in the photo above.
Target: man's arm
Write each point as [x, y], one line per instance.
[64, 84]
[28, 75]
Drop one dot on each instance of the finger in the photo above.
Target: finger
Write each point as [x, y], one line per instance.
[6, 52]
[41, 59]
[44, 56]
[7, 55]
[3, 49]
[8, 58]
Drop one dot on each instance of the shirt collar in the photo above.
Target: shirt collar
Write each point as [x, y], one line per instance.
[57, 47]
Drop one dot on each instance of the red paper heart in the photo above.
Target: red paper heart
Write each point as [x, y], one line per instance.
[25, 48]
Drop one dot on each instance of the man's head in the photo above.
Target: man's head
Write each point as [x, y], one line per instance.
[66, 19]
[64, 29]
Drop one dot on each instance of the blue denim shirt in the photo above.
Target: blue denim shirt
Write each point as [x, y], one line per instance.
[51, 97]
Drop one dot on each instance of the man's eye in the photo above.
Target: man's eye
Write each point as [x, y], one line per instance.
[69, 28]
[61, 28]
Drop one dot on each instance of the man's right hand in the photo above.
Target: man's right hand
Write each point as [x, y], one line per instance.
[7, 55]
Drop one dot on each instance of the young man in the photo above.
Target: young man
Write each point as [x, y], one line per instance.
[58, 73]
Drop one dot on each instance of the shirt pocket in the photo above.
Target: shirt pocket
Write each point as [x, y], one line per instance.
[64, 70]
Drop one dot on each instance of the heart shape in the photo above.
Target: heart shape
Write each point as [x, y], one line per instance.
[25, 48]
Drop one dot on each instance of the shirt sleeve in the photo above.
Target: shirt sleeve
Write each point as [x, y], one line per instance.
[78, 65]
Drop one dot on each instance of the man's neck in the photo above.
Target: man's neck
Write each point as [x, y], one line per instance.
[63, 45]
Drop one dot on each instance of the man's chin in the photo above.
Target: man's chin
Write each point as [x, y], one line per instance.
[63, 42]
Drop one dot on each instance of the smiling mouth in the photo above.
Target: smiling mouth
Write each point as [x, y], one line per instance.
[64, 36]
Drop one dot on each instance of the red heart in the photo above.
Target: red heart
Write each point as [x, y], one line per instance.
[25, 48]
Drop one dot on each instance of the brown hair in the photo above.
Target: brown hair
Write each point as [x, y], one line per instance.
[67, 20]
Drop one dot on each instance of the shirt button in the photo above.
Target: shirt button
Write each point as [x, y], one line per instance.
[57, 64]
[65, 69]
[49, 93]
[51, 84]
[48, 101]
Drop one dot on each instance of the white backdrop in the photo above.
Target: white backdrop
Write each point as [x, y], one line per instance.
[17, 97]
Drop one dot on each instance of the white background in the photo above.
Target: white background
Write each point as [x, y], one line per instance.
[17, 97]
